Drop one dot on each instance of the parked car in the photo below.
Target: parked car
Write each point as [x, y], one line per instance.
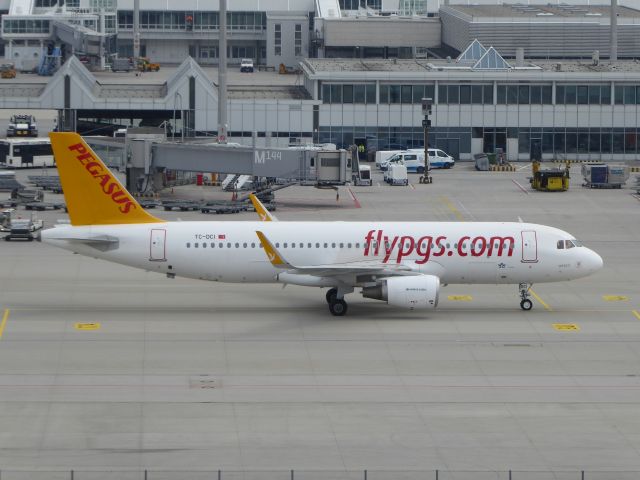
[246, 65]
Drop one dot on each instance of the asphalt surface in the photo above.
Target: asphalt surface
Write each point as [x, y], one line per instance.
[183, 376]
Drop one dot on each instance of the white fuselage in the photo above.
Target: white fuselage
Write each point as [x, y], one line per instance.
[479, 252]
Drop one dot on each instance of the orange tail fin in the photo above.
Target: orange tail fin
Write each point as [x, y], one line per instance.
[94, 195]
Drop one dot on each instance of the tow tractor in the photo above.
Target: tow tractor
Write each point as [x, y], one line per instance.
[553, 179]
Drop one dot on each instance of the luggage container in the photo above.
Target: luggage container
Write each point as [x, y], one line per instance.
[602, 175]
[397, 175]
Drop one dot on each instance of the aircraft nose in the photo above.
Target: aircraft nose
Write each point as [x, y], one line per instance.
[595, 261]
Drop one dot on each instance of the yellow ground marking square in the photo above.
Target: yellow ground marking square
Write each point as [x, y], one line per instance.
[87, 326]
[460, 298]
[566, 326]
[615, 298]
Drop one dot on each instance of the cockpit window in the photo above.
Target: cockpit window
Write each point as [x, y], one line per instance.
[566, 244]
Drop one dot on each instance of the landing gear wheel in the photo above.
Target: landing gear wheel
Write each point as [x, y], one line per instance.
[420, 170]
[338, 307]
[332, 294]
[526, 304]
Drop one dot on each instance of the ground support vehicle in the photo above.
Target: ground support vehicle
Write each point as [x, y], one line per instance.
[22, 126]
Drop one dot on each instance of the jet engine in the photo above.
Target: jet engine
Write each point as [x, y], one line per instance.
[409, 292]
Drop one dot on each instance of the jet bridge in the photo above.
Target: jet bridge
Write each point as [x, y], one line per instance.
[148, 155]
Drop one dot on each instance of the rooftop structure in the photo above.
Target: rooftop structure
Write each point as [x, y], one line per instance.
[543, 30]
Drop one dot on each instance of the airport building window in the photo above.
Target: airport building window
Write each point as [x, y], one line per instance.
[455, 94]
[349, 93]
[190, 20]
[298, 40]
[405, 94]
[627, 94]
[583, 94]
[25, 26]
[277, 47]
[524, 94]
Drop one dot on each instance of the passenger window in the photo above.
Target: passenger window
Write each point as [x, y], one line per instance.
[326, 245]
[285, 245]
[357, 245]
[302, 245]
[308, 245]
[317, 245]
[195, 245]
[204, 245]
[228, 244]
[333, 245]
[277, 244]
[244, 245]
[221, 245]
[342, 245]
[188, 245]
[237, 245]
[348, 245]
[213, 245]
[293, 245]
[253, 245]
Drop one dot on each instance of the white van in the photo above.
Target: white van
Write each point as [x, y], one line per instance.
[440, 159]
[383, 155]
[413, 160]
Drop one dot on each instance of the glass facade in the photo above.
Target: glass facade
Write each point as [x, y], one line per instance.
[26, 26]
[191, 20]
[524, 94]
[349, 93]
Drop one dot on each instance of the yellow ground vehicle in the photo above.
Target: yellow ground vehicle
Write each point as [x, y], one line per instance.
[144, 65]
[554, 179]
[7, 70]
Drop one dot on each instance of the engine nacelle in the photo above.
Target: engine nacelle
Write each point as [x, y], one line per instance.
[409, 292]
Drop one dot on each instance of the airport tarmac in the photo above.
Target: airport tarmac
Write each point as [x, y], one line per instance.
[184, 376]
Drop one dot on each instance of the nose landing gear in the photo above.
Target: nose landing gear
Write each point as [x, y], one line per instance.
[525, 303]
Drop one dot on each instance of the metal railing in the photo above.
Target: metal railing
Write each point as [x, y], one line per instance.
[319, 475]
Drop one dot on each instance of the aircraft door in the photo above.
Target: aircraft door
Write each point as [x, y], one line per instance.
[529, 246]
[157, 245]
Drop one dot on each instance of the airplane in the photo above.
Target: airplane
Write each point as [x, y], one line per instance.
[402, 263]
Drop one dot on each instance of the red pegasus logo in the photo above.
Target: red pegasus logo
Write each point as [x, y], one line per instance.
[109, 185]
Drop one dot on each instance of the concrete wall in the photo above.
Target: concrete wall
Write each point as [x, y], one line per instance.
[382, 32]
[288, 23]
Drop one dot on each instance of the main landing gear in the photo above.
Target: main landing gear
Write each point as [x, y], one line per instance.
[337, 306]
[525, 303]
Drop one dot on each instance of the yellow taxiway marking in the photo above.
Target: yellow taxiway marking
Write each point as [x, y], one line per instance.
[87, 326]
[615, 298]
[566, 326]
[5, 317]
[636, 314]
[542, 302]
[460, 298]
[452, 207]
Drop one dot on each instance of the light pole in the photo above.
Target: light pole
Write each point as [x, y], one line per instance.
[427, 104]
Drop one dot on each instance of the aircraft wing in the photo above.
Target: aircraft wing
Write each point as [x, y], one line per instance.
[333, 269]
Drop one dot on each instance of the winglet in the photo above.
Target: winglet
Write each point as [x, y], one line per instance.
[93, 194]
[272, 254]
[261, 210]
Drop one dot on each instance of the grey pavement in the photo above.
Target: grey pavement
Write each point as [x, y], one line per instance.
[193, 376]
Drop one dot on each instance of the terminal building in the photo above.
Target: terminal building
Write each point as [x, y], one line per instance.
[485, 99]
